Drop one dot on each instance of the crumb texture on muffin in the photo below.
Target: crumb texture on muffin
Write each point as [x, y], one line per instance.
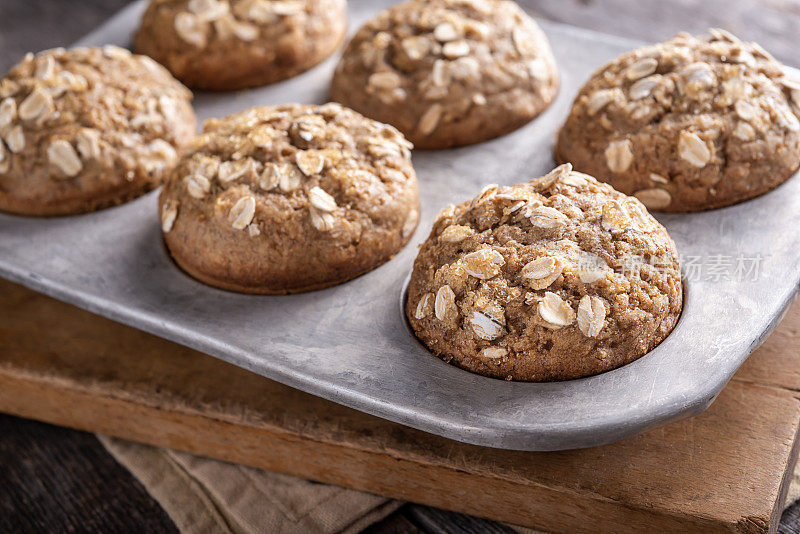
[290, 198]
[559, 278]
[87, 128]
[235, 44]
[688, 124]
[448, 72]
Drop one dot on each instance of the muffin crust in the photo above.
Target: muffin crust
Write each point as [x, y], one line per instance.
[290, 198]
[555, 279]
[236, 44]
[448, 72]
[88, 128]
[689, 124]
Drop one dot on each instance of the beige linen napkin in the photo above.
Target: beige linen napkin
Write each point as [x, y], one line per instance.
[204, 496]
[213, 497]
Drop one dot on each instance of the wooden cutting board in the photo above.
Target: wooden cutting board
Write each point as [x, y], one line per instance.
[726, 470]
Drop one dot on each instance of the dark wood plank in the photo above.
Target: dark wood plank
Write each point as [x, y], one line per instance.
[59, 480]
[397, 523]
[790, 520]
[437, 521]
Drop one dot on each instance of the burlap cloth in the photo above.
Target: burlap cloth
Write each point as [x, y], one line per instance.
[204, 496]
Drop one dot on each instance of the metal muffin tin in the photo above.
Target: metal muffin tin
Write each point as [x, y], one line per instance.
[350, 343]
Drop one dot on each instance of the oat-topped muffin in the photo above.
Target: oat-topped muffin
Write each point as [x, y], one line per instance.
[235, 44]
[290, 198]
[87, 128]
[559, 278]
[448, 72]
[689, 124]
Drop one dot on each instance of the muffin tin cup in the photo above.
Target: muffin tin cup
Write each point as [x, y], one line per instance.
[350, 345]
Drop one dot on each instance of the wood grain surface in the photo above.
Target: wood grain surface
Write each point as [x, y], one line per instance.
[723, 471]
[66, 482]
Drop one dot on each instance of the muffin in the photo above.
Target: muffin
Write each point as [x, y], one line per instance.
[559, 278]
[290, 198]
[88, 128]
[448, 72]
[235, 44]
[689, 124]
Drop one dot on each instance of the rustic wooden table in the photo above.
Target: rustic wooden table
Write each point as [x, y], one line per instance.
[56, 480]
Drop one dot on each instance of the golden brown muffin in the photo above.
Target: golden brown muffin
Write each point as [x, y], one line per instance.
[555, 279]
[689, 124]
[235, 44]
[448, 72]
[290, 198]
[87, 128]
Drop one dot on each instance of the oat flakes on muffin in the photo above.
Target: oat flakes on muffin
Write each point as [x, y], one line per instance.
[559, 278]
[87, 128]
[448, 72]
[290, 198]
[236, 44]
[689, 124]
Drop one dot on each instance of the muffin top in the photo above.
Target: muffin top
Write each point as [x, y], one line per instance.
[687, 124]
[294, 189]
[231, 44]
[558, 278]
[448, 72]
[86, 124]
